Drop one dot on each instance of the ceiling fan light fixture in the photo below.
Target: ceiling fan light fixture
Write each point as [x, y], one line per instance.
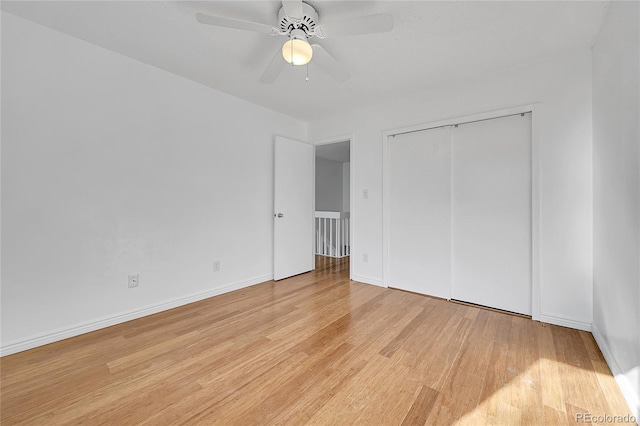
[297, 50]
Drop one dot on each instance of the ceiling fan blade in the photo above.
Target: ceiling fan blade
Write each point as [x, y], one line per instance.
[220, 21]
[274, 68]
[293, 8]
[370, 24]
[329, 64]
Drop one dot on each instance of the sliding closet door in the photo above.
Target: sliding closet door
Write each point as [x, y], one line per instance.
[491, 203]
[419, 207]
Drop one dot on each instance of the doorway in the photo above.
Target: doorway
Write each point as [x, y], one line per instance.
[332, 216]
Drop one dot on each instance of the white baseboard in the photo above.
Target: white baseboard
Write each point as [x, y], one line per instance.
[630, 395]
[565, 322]
[367, 280]
[86, 327]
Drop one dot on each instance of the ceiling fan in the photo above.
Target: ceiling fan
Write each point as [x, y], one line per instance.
[299, 21]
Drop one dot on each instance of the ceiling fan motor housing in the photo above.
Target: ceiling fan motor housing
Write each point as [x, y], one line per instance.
[307, 23]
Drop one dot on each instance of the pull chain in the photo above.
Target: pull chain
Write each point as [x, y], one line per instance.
[307, 79]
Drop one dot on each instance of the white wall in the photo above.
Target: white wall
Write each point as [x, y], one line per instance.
[562, 86]
[329, 185]
[112, 167]
[616, 136]
[346, 186]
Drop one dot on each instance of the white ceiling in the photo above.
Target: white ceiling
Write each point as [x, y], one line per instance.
[432, 43]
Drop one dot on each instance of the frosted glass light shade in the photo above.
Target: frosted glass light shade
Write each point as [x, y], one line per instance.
[297, 52]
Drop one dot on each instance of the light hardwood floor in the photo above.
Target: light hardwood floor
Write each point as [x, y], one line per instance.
[314, 349]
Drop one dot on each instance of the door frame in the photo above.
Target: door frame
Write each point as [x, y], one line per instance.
[329, 141]
[535, 189]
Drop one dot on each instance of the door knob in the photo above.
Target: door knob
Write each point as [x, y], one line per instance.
[280, 215]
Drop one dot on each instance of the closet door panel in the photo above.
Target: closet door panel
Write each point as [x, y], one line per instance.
[491, 204]
[419, 166]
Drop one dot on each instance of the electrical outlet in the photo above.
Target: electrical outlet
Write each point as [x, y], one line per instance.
[365, 194]
[216, 266]
[134, 280]
[365, 257]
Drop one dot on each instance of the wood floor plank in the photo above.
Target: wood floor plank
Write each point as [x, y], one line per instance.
[406, 333]
[315, 398]
[421, 407]
[552, 394]
[580, 387]
[433, 370]
[314, 349]
[532, 380]
[380, 394]
[491, 409]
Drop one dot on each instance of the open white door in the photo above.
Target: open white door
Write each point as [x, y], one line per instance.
[293, 208]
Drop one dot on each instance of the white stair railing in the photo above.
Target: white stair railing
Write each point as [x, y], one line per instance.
[332, 234]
